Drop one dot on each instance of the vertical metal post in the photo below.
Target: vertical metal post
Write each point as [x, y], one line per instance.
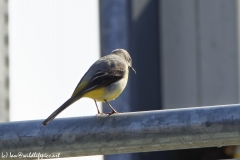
[114, 34]
[4, 70]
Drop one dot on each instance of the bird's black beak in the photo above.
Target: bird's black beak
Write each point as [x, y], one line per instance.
[132, 69]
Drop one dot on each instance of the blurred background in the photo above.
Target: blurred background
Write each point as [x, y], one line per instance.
[185, 52]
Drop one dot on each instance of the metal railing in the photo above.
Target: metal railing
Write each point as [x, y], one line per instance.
[125, 132]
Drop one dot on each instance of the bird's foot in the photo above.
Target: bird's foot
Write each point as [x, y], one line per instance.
[102, 115]
[110, 113]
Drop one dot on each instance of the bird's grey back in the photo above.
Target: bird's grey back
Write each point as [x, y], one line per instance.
[111, 61]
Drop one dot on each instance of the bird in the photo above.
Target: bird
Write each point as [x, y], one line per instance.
[104, 81]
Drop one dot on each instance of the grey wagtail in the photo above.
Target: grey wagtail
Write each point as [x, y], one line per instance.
[104, 81]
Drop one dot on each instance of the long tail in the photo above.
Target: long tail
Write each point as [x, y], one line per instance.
[59, 110]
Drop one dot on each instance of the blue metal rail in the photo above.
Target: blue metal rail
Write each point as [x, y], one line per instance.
[125, 132]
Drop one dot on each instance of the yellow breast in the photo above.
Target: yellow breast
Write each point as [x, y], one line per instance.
[109, 92]
[96, 94]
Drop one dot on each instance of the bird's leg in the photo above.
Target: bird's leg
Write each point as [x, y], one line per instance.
[113, 110]
[97, 106]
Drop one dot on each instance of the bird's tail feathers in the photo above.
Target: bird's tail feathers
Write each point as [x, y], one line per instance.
[59, 110]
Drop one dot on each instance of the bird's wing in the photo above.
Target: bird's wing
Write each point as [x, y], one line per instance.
[80, 85]
[100, 79]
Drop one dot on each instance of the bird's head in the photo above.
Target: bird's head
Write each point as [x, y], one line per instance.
[125, 55]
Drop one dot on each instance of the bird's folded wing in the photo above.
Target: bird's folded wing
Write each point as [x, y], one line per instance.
[100, 79]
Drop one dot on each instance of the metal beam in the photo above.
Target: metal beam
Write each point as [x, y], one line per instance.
[125, 132]
[4, 62]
